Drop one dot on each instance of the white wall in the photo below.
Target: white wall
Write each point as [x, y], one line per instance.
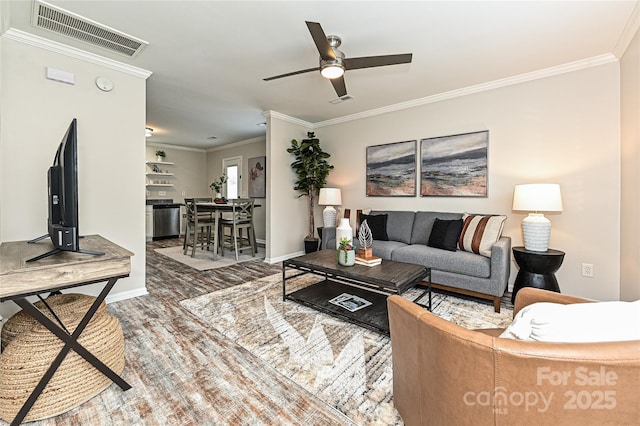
[630, 160]
[562, 129]
[189, 171]
[287, 214]
[35, 113]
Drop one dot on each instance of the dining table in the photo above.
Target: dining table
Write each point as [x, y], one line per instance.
[217, 209]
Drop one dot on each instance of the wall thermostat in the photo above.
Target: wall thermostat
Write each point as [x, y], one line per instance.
[104, 84]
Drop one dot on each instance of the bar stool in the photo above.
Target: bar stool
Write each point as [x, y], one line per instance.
[198, 226]
[241, 219]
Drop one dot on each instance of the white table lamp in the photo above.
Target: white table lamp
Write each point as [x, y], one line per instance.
[536, 198]
[329, 197]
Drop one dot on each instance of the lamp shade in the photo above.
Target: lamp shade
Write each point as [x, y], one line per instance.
[537, 197]
[330, 197]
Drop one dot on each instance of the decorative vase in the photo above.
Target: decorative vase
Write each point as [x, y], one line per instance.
[344, 231]
[347, 257]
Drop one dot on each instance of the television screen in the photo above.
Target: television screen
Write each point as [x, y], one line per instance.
[62, 179]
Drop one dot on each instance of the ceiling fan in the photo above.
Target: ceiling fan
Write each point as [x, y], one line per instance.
[333, 63]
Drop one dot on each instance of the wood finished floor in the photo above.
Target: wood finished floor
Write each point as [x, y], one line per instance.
[183, 372]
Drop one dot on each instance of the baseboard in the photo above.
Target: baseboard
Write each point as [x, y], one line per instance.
[273, 260]
[124, 295]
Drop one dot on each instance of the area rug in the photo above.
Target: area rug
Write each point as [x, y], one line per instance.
[203, 260]
[346, 366]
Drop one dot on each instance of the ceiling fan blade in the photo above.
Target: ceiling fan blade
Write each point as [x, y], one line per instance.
[291, 73]
[339, 86]
[320, 39]
[377, 61]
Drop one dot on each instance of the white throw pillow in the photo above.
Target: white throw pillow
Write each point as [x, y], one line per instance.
[480, 233]
[577, 322]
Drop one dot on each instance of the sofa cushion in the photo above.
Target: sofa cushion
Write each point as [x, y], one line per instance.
[576, 322]
[423, 223]
[480, 233]
[384, 249]
[377, 224]
[399, 225]
[459, 262]
[445, 234]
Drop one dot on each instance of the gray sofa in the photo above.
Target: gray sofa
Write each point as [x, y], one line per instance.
[460, 271]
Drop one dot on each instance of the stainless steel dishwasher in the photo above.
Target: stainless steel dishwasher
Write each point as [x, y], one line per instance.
[166, 219]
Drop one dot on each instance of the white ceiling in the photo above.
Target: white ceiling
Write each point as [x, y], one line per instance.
[208, 58]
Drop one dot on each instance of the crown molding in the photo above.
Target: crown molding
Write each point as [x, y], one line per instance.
[630, 30]
[284, 117]
[239, 143]
[496, 84]
[177, 147]
[53, 46]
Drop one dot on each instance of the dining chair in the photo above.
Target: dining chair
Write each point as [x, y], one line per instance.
[241, 220]
[199, 226]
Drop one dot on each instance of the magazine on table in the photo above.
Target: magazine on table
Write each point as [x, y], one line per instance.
[350, 302]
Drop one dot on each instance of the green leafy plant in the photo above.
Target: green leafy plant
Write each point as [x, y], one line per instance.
[161, 154]
[344, 246]
[217, 185]
[312, 168]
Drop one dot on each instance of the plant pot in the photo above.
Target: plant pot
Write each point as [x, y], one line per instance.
[347, 257]
[159, 159]
[311, 245]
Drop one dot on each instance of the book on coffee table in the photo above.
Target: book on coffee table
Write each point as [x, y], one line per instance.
[368, 261]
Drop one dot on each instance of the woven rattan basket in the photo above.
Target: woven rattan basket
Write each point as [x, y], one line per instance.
[29, 354]
[62, 304]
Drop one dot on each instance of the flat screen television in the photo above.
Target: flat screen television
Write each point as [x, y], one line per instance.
[62, 178]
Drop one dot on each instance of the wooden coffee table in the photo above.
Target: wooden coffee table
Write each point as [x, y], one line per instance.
[373, 284]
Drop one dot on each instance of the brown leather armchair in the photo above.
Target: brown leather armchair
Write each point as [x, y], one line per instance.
[444, 374]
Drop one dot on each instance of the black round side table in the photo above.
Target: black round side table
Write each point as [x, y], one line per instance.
[537, 269]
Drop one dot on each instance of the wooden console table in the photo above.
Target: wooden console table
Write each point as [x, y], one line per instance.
[19, 279]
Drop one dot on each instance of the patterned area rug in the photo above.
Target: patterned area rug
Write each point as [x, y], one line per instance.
[203, 260]
[346, 366]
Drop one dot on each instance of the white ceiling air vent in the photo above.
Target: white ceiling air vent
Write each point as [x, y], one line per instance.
[69, 24]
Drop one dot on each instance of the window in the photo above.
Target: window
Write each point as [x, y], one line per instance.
[233, 170]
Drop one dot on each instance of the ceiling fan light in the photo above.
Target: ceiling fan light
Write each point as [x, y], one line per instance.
[332, 71]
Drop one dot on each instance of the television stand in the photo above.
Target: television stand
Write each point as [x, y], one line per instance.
[58, 250]
[20, 280]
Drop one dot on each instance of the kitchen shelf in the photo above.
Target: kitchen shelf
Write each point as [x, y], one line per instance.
[159, 184]
[154, 174]
[165, 163]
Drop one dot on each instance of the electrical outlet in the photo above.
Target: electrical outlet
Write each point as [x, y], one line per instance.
[587, 269]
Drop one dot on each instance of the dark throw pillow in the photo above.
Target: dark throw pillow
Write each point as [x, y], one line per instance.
[445, 234]
[378, 225]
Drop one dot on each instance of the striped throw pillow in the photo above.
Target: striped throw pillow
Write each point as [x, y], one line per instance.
[480, 233]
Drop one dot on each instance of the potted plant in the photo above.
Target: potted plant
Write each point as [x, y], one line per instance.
[346, 252]
[312, 168]
[160, 155]
[217, 186]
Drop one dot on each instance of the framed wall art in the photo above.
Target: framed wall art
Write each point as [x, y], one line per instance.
[257, 177]
[454, 166]
[391, 169]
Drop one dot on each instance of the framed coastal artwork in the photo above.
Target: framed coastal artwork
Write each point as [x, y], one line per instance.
[391, 169]
[454, 166]
[257, 177]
